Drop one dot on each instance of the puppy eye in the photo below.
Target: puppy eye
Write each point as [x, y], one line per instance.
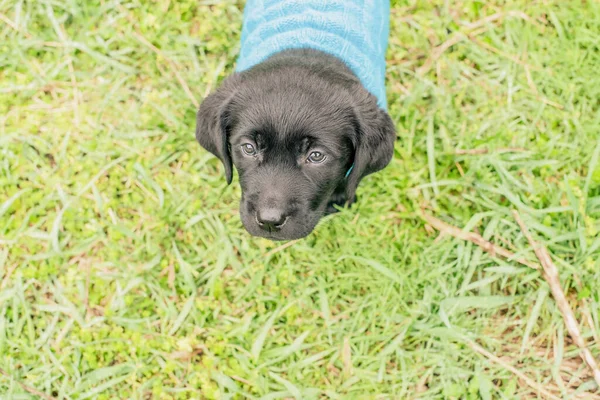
[316, 157]
[248, 149]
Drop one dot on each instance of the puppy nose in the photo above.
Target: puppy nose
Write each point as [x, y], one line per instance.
[271, 219]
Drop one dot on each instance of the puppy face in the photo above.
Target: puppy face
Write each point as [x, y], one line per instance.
[293, 137]
[291, 155]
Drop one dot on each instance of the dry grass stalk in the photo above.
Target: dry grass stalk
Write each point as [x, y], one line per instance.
[27, 388]
[7, 276]
[280, 248]
[530, 382]
[172, 65]
[489, 247]
[347, 358]
[486, 151]
[472, 30]
[550, 273]
[11, 24]
[174, 69]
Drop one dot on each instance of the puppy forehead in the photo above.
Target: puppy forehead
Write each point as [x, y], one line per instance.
[296, 119]
[295, 135]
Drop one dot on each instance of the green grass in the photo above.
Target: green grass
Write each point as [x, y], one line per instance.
[124, 268]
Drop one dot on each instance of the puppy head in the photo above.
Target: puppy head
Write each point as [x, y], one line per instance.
[300, 145]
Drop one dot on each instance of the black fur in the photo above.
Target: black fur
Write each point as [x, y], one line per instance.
[291, 105]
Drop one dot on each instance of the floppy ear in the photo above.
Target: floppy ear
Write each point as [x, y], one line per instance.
[374, 145]
[212, 124]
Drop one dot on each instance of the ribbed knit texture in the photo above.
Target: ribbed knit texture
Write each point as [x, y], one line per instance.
[356, 31]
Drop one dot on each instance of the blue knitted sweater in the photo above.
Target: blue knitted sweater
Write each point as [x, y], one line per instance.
[356, 31]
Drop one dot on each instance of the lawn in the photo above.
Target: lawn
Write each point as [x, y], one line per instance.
[125, 271]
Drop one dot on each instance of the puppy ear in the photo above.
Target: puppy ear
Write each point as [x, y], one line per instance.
[374, 144]
[212, 124]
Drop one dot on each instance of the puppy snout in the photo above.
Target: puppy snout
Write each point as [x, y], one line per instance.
[271, 219]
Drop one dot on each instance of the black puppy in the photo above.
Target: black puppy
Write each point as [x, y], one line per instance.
[302, 132]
